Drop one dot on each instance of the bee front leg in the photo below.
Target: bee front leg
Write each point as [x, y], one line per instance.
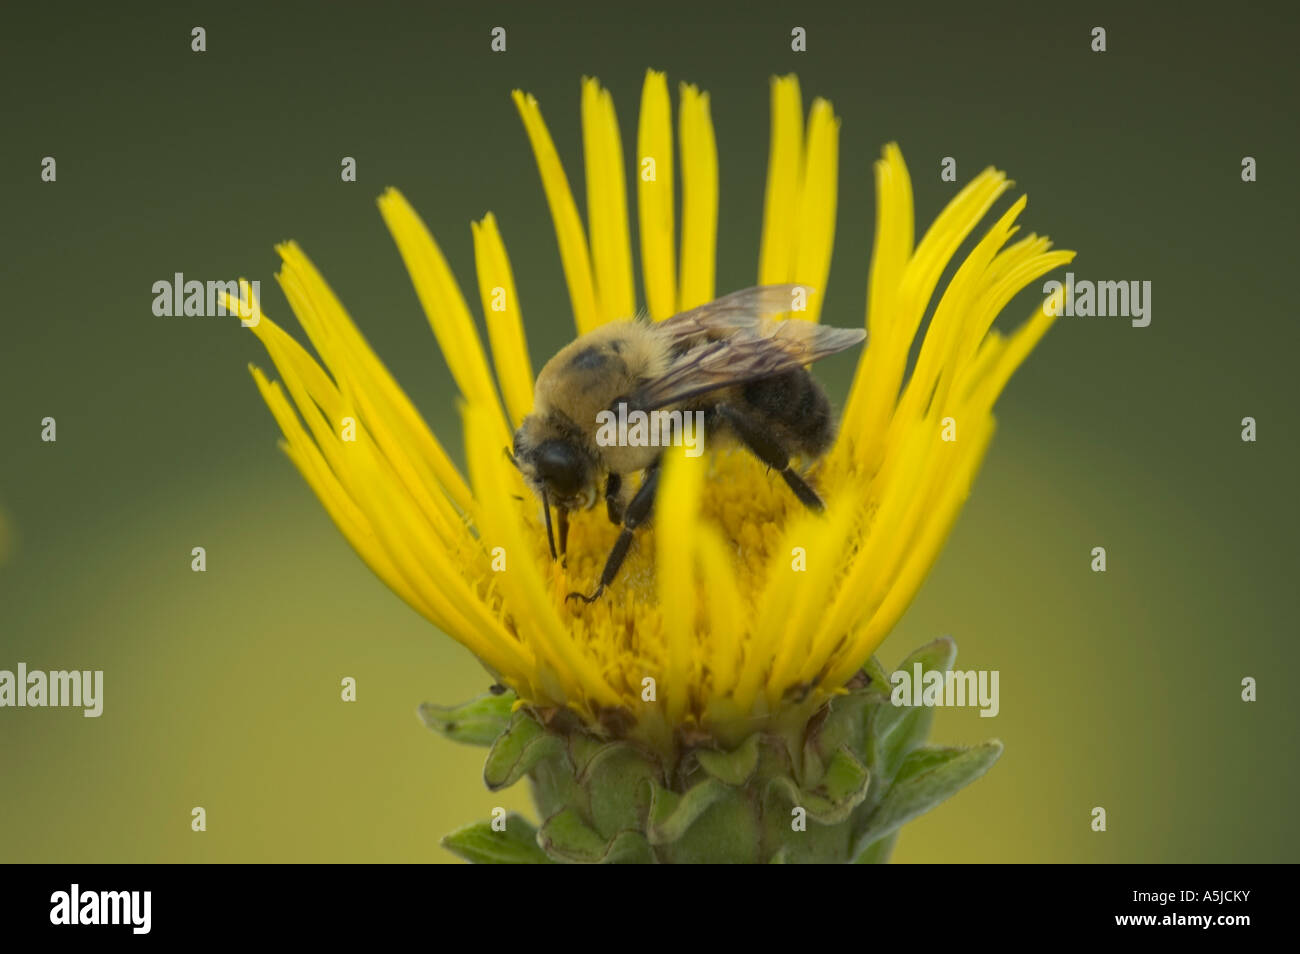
[563, 528]
[638, 511]
[613, 502]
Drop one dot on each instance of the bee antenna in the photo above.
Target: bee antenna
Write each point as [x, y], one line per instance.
[550, 534]
[510, 457]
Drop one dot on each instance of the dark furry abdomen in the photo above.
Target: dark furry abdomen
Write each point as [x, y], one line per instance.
[790, 408]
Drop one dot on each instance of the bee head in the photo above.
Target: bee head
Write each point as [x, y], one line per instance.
[562, 468]
[556, 466]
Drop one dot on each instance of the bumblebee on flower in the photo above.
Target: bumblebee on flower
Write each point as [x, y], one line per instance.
[762, 678]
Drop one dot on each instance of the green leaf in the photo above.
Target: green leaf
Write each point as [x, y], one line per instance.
[928, 777]
[566, 837]
[480, 845]
[523, 744]
[731, 768]
[615, 778]
[846, 723]
[846, 779]
[842, 789]
[879, 678]
[477, 722]
[672, 814]
[897, 730]
[877, 853]
[582, 749]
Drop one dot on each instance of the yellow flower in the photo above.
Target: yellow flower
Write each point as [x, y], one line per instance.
[711, 626]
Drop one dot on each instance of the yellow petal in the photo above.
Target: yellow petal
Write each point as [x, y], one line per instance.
[677, 505]
[655, 196]
[505, 322]
[920, 554]
[1018, 346]
[817, 201]
[798, 660]
[445, 307]
[568, 226]
[564, 671]
[957, 308]
[777, 604]
[874, 391]
[450, 604]
[367, 389]
[872, 401]
[781, 208]
[611, 251]
[727, 615]
[699, 198]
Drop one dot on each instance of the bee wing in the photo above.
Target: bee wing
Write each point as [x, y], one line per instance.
[746, 308]
[747, 354]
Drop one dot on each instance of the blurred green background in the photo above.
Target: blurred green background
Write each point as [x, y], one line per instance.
[1119, 690]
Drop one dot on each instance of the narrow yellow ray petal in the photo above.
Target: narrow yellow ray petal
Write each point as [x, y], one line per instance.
[655, 198]
[349, 458]
[437, 573]
[775, 606]
[873, 385]
[956, 306]
[505, 322]
[949, 229]
[921, 555]
[726, 613]
[313, 393]
[448, 602]
[445, 611]
[892, 247]
[865, 574]
[324, 409]
[957, 220]
[976, 369]
[1008, 285]
[875, 403]
[918, 489]
[307, 457]
[781, 208]
[677, 505]
[970, 361]
[444, 305]
[699, 198]
[348, 400]
[569, 674]
[564, 213]
[611, 251]
[817, 203]
[1018, 345]
[339, 340]
[824, 553]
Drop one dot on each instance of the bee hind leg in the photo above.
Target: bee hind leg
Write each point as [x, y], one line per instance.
[770, 452]
[638, 511]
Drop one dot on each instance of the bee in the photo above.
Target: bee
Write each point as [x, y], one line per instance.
[728, 359]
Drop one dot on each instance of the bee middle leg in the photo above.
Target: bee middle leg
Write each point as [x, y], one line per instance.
[638, 511]
[763, 446]
[614, 503]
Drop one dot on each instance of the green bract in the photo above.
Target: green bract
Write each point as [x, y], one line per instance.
[833, 785]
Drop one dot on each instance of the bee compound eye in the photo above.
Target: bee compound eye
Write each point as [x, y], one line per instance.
[561, 467]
